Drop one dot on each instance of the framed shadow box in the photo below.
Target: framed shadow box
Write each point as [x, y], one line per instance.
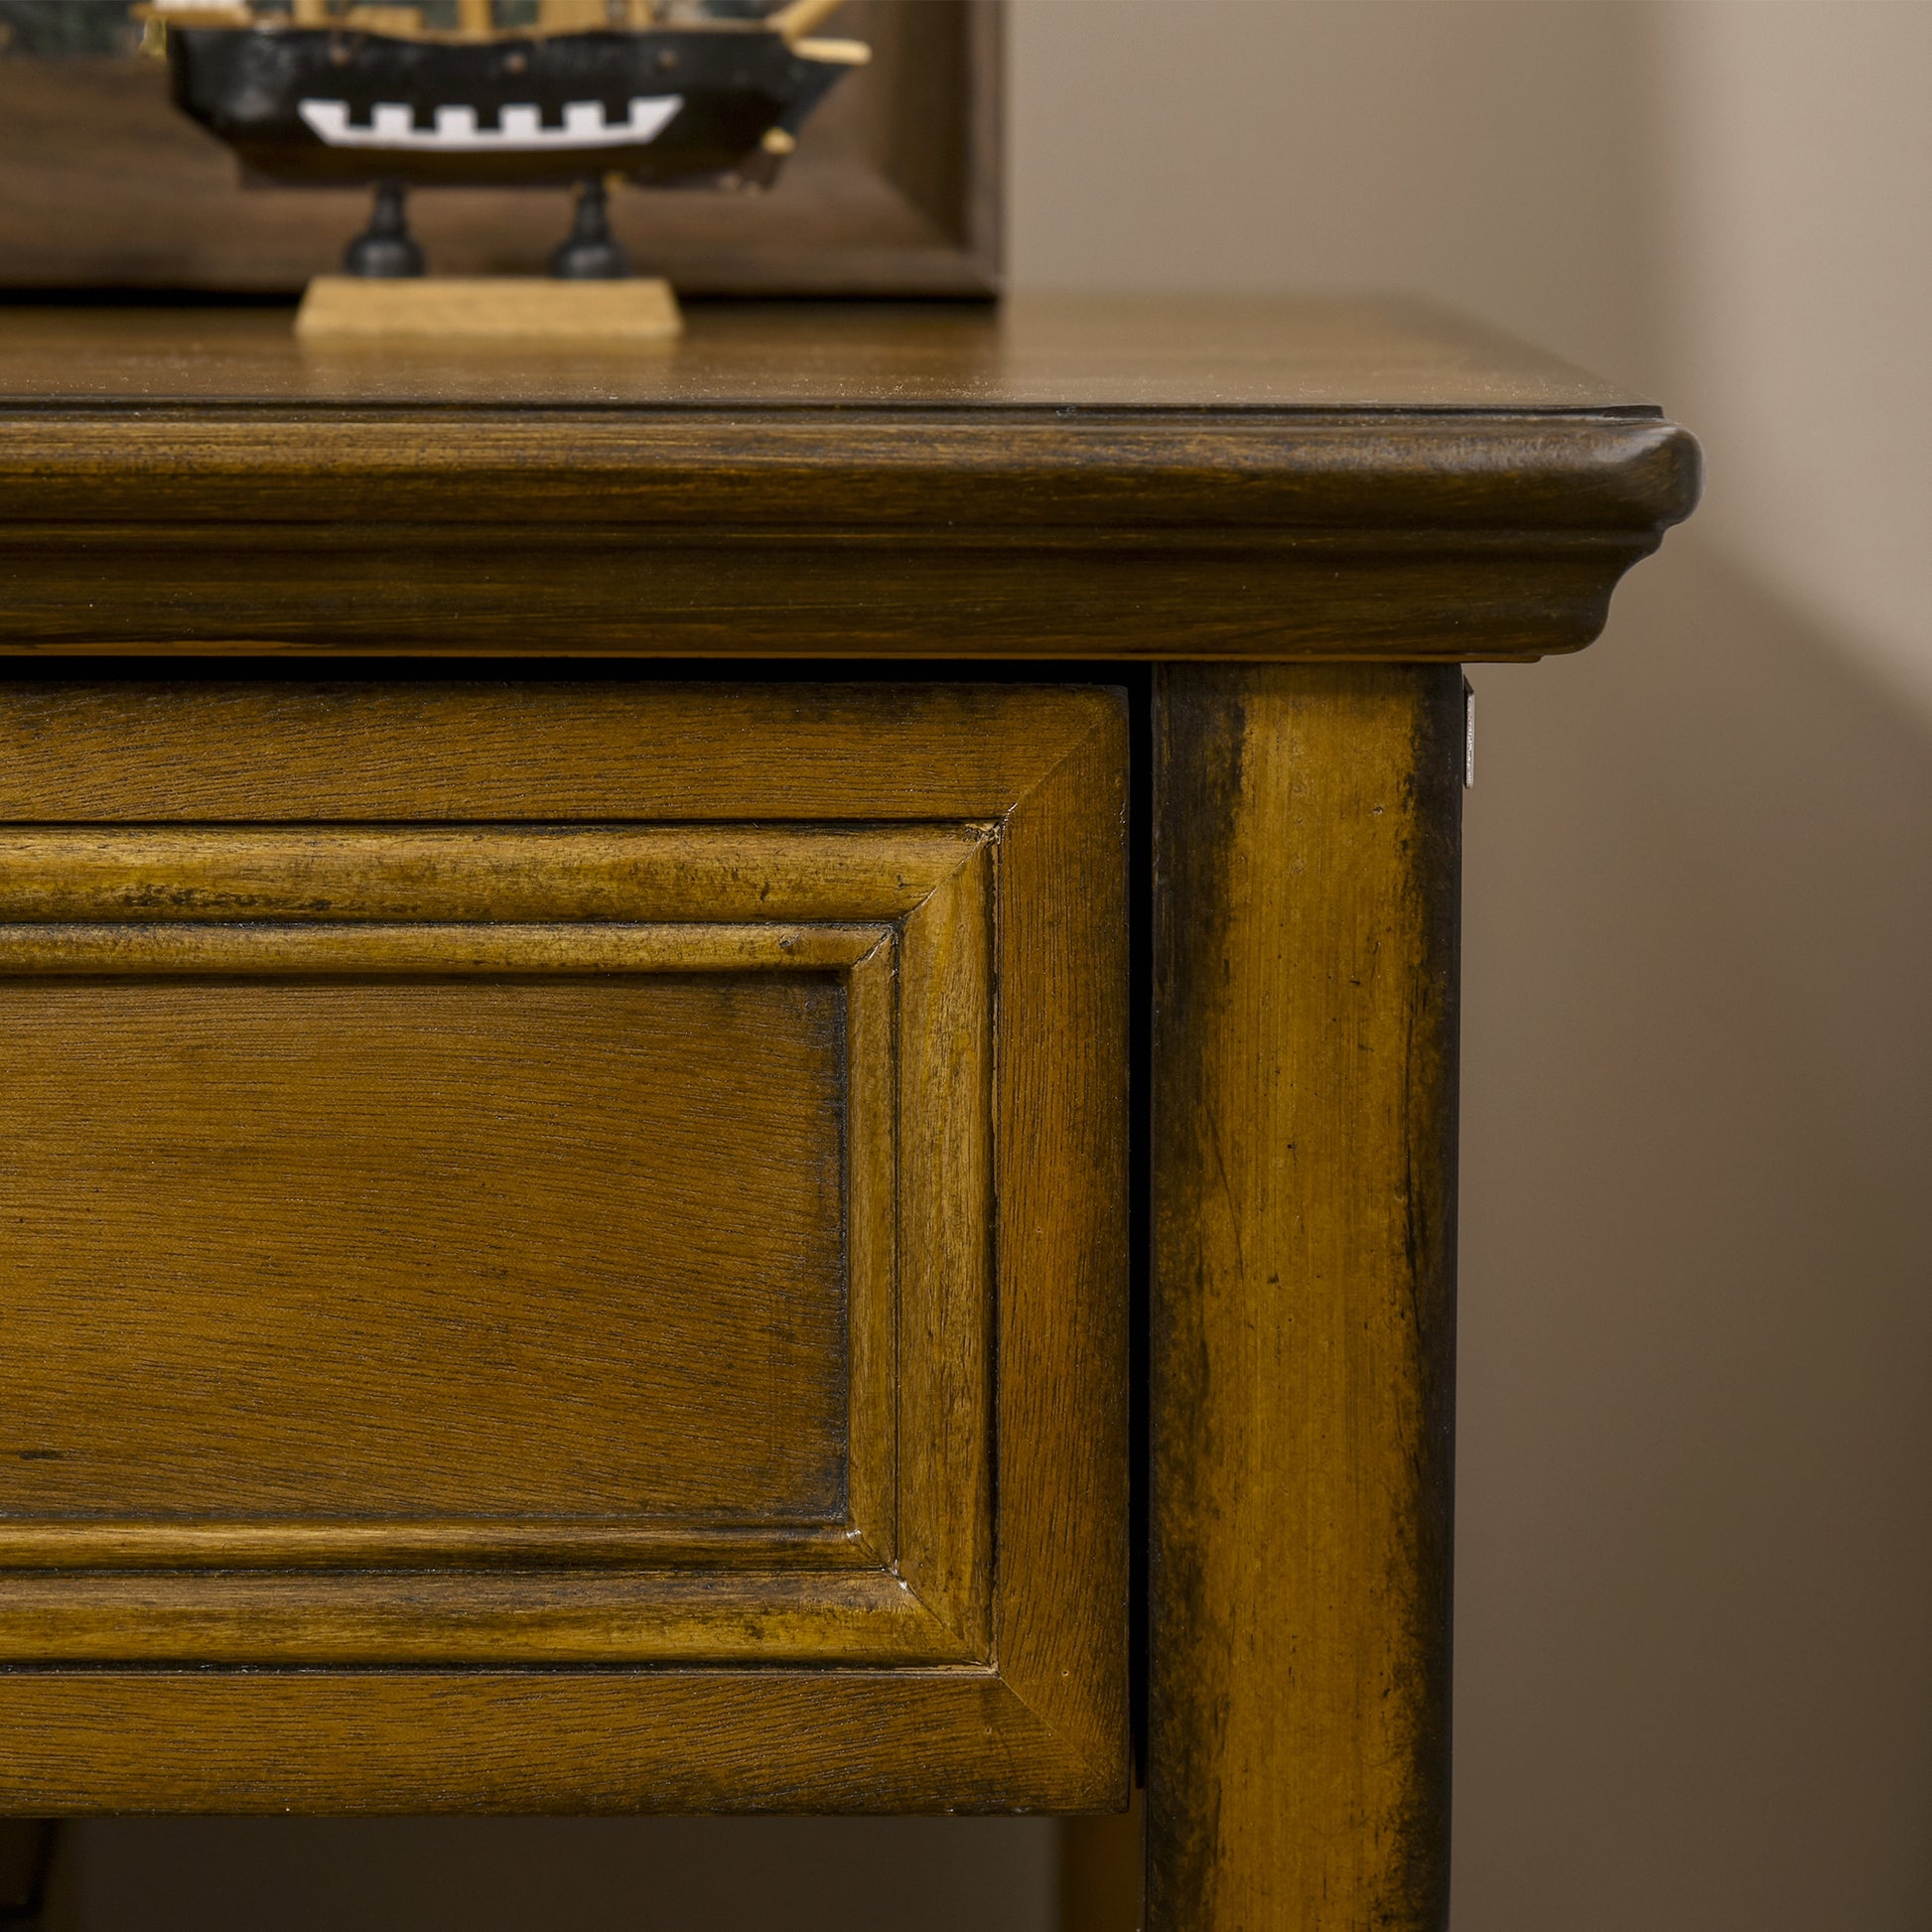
[893, 191]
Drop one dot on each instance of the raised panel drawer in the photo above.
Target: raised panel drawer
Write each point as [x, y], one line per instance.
[562, 1246]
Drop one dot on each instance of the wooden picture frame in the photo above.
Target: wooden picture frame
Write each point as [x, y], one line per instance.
[895, 190]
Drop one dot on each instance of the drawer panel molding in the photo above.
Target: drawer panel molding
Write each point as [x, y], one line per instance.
[530, 1243]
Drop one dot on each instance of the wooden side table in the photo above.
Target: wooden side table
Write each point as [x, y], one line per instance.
[640, 994]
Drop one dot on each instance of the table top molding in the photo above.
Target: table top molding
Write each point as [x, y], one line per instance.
[1280, 479]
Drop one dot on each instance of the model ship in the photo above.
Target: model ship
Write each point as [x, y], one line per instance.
[501, 94]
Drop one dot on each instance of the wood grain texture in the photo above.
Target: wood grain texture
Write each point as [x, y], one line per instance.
[518, 1740]
[563, 1223]
[278, 951]
[528, 1617]
[943, 1385]
[1305, 880]
[1058, 1162]
[1217, 480]
[523, 749]
[1035, 352]
[657, 875]
[425, 1248]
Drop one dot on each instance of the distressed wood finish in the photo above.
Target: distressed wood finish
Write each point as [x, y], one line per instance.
[615, 1219]
[899, 911]
[1305, 880]
[1157, 480]
[362, 1247]
[656, 874]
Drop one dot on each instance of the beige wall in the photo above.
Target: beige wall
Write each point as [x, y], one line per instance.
[1693, 1680]
[1797, 147]
[1728, 201]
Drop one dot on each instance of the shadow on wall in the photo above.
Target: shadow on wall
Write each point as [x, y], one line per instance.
[557, 1875]
[1692, 1684]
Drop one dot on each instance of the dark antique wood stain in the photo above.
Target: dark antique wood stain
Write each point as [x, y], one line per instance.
[518, 1175]
[1306, 881]
[395, 1248]
[1232, 479]
[848, 1528]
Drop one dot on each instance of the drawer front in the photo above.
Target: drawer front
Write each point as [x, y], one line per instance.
[534, 1213]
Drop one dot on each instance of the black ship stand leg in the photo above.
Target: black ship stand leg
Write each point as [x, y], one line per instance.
[385, 249]
[592, 254]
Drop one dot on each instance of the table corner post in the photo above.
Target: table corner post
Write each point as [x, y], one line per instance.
[1306, 849]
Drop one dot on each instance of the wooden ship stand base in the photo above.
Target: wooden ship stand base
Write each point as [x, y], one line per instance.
[488, 308]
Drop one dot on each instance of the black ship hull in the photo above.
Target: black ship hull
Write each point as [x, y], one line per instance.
[338, 107]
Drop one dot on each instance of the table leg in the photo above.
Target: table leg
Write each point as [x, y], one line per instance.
[1306, 853]
[27, 1847]
[1102, 1860]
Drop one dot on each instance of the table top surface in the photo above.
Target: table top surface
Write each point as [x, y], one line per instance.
[1054, 478]
[1154, 356]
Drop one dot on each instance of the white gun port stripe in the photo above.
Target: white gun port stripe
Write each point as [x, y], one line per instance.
[519, 130]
